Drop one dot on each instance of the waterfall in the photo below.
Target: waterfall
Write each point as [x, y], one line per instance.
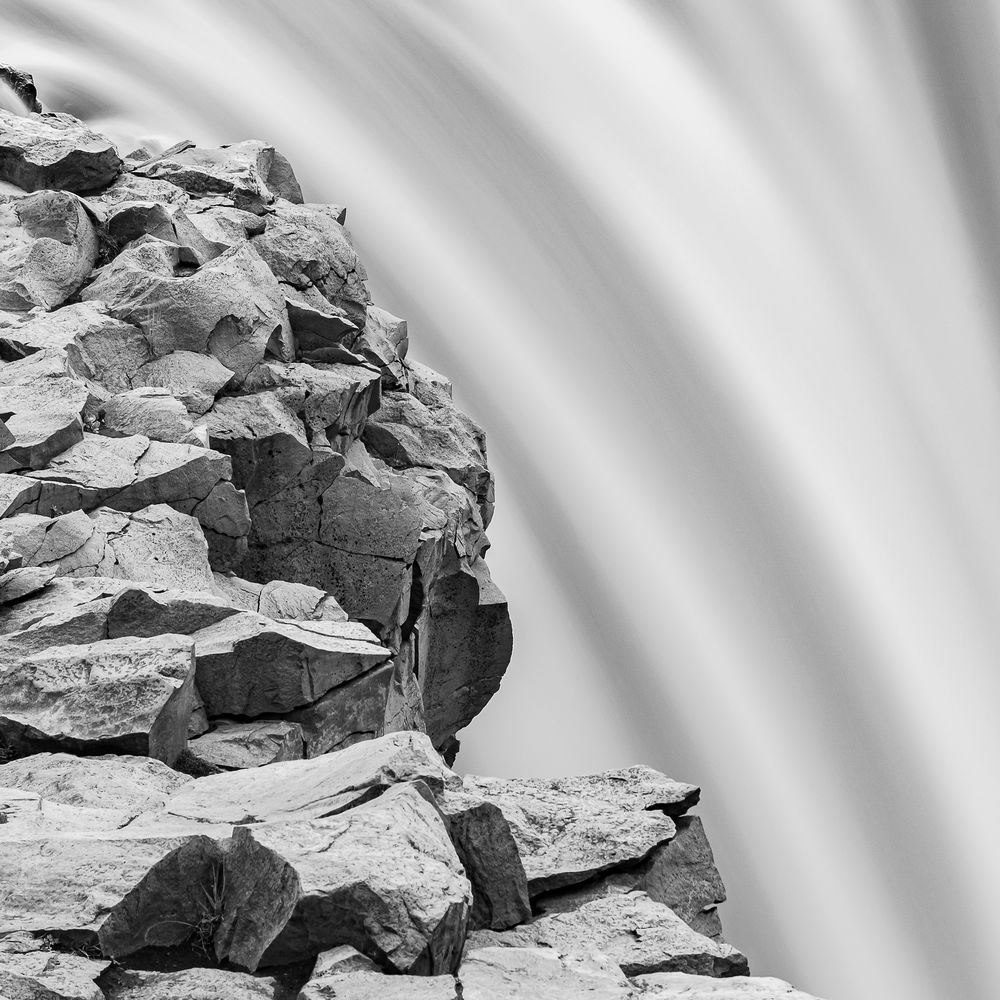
[720, 281]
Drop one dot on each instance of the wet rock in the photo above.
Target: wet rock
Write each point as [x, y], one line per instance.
[322, 787]
[570, 829]
[48, 247]
[230, 308]
[234, 745]
[306, 247]
[382, 877]
[23, 85]
[251, 173]
[675, 984]
[486, 848]
[249, 665]
[122, 695]
[543, 973]
[640, 935]
[54, 151]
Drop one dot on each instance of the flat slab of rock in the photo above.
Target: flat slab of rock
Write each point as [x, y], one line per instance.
[570, 829]
[127, 695]
[377, 986]
[541, 974]
[55, 151]
[641, 936]
[189, 984]
[321, 787]
[673, 984]
[249, 665]
[231, 746]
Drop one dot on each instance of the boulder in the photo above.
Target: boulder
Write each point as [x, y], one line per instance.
[328, 785]
[249, 665]
[541, 973]
[362, 985]
[151, 411]
[121, 695]
[54, 151]
[486, 848]
[16, 584]
[230, 308]
[252, 173]
[383, 342]
[48, 247]
[281, 599]
[231, 745]
[570, 829]
[640, 935]
[195, 379]
[382, 877]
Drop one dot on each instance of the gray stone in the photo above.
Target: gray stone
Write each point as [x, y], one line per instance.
[642, 936]
[23, 86]
[383, 342]
[16, 584]
[48, 247]
[570, 829]
[125, 695]
[195, 379]
[382, 877]
[486, 848]
[55, 151]
[233, 745]
[306, 247]
[230, 308]
[191, 984]
[251, 173]
[376, 986]
[29, 971]
[249, 665]
[689, 987]
[541, 974]
[313, 788]
[150, 411]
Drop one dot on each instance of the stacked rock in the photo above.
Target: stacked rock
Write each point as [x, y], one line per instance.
[244, 612]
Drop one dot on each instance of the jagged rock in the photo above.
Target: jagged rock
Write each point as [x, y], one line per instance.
[570, 829]
[151, 411]
[345, 715]
[127, 221]
[191, 984]
[230, 308]
[17, 494]
[249, 665]
[29, 971]
[54, 151]
[195, 379]
[234, 745]
[382, 877]
[542, 974]
[48, 247]
[341, 959]
[384, 342]
[252, 173]
[667, 985]
[426, 384]
[57, 331]
[486, 848]
[639, 934]
[127, 784]
[59, 596]
[322, 787]
[23, 85]
[17, 584]
[125, 695]
[281, 599]
[681, 874]
[306, 247]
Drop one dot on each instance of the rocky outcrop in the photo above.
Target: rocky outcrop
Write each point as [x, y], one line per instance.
[245, 612]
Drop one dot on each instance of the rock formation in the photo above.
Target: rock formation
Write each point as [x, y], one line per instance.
[245, 612]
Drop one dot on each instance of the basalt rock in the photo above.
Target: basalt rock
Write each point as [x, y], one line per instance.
[245, 612]
[23, 85]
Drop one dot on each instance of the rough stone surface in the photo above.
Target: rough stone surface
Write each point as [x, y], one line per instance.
[191, 984]
[639, 934]
[490, 973]
[233, 745]
[689, 987]
[29, 971]
[570, 829]
[54, 151]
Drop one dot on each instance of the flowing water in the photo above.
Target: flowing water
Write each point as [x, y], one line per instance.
[720, 279]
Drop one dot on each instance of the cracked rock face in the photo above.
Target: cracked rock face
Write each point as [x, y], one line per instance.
[245, 612]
